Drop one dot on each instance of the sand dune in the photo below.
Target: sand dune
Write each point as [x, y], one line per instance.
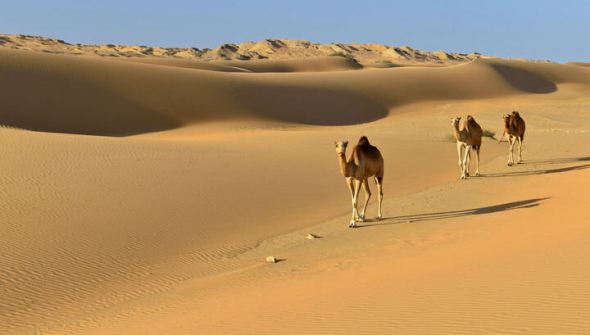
[102, 97]
[202, 169]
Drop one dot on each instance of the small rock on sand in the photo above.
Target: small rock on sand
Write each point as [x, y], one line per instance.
[311, 236]
[271, 259]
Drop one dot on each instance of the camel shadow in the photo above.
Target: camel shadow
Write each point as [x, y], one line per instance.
[536, 172]
[489, 209]
[559, 160]
[455, 214]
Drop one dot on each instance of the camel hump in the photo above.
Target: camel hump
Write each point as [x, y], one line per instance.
[471, 121]
[516, 117]
[363, 140]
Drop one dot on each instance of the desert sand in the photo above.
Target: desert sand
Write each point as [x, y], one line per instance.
[142, 196]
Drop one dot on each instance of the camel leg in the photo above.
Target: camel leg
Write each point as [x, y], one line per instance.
[512, 150]
[519, 150]
[508, 150]
[510, 158]
[460, 152]
[380, 195]
[357, 187]
[350, 184]
[367, 197]
[465, 168]
[477, 159]
[468, 165]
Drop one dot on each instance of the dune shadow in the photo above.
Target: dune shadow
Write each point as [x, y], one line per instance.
[536, 172]
[385, 65]
[455, 214]
[524, 81]
[291, 65]
[66, 105]
[312, 106]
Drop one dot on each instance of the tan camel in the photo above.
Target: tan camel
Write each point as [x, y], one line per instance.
[468, 134]
[514, 126]
[365, 161]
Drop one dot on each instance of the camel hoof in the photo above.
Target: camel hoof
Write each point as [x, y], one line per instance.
[361, 219]
[509, 164]
[519, 162]
[477, 174]
[463, 177]
[352, 224]
[466, 174]
[378, 218]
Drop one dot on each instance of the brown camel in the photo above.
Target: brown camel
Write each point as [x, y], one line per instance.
[514, 126]
[364, 161]
[468, 134]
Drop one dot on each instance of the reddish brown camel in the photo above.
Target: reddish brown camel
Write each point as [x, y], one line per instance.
[514, 126]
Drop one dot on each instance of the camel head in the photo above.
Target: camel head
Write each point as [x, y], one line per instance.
[455, 121]
[341, 146]
[506, 118]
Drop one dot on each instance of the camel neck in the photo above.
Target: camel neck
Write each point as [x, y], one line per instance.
[344, 166]
[458, 134]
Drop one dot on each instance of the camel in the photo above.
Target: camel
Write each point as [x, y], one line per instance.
[364, 161]
[514, 126]
[468, 134]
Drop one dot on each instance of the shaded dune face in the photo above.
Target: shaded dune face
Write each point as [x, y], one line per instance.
[312, 106]
[524, 81]
[45, 103]
[319, 64]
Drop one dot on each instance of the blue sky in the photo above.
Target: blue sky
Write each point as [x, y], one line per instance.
[552, 30]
